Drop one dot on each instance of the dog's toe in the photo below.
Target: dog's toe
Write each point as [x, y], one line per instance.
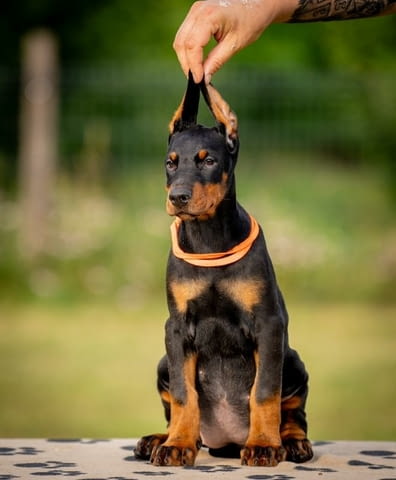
[259, 456]
[298, 451]
[173, 456]
[148, 444]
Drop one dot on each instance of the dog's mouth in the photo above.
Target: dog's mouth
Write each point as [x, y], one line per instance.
[187, 214]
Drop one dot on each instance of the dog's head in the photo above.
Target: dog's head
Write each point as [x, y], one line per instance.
[200, 161]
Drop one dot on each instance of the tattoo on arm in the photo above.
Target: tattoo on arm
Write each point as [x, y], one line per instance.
[322, 10]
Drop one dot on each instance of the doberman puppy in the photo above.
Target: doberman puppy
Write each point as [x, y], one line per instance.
[229, 380]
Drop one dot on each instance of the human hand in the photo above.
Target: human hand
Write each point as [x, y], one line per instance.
[234, 24]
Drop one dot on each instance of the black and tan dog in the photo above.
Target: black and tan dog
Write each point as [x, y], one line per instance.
[229, 380]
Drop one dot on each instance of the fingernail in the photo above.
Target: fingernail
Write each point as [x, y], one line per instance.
[198, 77]
[208, 78]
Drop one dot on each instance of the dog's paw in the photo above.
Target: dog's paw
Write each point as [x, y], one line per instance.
[258, 456]
[298, 451]
[148, 444]
[174, 456]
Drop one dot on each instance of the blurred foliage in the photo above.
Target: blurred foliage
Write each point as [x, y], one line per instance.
[140, 34]
[330, 231]
[124, 30]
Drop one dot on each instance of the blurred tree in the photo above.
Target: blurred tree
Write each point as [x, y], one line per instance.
[38, 139]
[16, 19]
[87, 30]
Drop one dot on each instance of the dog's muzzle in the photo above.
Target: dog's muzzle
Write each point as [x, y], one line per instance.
[180, 196]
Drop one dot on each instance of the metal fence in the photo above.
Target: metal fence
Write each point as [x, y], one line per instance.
[128, 110]
[117, 116]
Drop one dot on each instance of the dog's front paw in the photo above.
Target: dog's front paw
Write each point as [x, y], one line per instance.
[148, 444]
[174, 456]
[258, 456]
[298, 451]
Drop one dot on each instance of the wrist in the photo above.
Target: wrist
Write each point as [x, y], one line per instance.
[282, 10]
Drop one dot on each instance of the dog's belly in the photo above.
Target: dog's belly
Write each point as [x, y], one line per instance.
[223, 388]
[223, 426]
[225, 375]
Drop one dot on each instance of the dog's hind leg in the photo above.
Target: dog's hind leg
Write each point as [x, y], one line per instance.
[163, 385]
[148, 444]
[293, 428]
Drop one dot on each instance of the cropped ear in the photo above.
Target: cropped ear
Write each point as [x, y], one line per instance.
[223, 114]
[186, 115]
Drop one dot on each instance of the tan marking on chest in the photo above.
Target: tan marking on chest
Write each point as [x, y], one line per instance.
[185, 291]
[246, 293]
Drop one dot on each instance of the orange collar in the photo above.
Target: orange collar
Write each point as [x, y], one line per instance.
[213, 259]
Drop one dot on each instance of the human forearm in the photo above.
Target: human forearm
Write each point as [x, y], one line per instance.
[326, 10]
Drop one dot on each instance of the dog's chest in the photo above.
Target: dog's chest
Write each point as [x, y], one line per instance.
[218, 313]
[208, 296]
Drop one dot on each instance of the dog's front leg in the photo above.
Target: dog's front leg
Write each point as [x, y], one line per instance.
[264, 446]
[183, 442]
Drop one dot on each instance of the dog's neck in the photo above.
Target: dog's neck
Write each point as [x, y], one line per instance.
[228, 227]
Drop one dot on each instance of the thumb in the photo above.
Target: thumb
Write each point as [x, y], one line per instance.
[218, 56]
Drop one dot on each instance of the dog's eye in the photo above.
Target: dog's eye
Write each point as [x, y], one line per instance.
[170, 164]
[209, 161]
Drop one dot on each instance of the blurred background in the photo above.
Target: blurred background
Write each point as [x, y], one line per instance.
[86, 93]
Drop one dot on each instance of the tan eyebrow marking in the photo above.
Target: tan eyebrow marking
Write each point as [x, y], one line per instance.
[202, 154]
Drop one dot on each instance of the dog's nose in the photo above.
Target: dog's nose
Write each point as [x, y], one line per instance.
[180, 197]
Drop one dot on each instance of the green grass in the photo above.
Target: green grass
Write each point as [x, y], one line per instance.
[349, 352]
[86, 371]
[90, 371]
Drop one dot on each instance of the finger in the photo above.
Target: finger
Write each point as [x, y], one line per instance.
[191, 59]
[191, 38]
[194, 58]
[189, 47]
[181, 56]
[179, 43]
